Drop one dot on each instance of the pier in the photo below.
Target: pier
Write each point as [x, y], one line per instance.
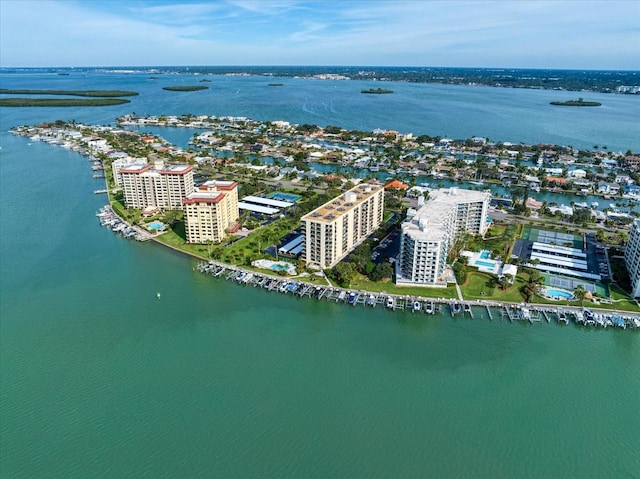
[417, 305]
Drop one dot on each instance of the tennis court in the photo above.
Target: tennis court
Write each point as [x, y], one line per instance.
[278, 195]
[571, 284]
[552, 237]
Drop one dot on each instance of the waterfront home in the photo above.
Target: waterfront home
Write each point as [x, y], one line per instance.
[577, 173]
[624, 178]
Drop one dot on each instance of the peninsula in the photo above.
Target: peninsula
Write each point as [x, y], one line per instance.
[277, 198]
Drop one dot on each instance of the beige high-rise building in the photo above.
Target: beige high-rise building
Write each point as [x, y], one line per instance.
[210, 211]
[156, 185]
[429, 233]
[334, 229]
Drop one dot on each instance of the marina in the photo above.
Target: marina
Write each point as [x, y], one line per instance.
[516, 312]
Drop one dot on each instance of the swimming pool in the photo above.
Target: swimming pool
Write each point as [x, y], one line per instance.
[485, 264]
[155, 225]
[484, 255]
[559, 294]
[279, 267]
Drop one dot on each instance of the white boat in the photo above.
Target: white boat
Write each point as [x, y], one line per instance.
[391, 302]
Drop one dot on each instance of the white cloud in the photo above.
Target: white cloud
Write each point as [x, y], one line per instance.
[579, 34]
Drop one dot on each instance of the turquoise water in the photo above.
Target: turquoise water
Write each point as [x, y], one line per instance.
[485, 254]
[155, 225]
[99, 378]
[559, 294]
[486, 264]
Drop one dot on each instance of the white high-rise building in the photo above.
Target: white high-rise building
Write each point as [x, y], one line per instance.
[429, 233]
[334, 229]
[156, 185]
[125, 163]
[632, 258]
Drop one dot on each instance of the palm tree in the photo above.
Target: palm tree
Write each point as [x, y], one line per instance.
[580, 293]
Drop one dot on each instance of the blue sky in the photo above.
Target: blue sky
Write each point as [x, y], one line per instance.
[502, 33]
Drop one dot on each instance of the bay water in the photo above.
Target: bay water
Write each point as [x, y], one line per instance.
[99, 378]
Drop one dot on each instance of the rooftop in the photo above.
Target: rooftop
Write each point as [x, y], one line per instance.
[342, 204]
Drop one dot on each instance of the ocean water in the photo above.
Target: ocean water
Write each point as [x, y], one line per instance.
[99, 378]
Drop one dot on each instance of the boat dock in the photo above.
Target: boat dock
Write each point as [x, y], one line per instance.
[417, 305]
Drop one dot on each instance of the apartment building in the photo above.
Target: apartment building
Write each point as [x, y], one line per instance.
[125, 163]
[334, 229]
[429, 232]
[156, 185]
[210, 211]
[632, 257]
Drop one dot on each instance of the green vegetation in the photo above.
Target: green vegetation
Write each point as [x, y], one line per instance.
[485, 287]
[578, 102]
[61, 102]
[377, 91]
[185, 88]
[388, 287]
[92, 93]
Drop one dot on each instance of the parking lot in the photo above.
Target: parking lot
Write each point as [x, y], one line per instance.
[389, 247]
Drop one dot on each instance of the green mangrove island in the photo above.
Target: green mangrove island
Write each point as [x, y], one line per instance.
[578, 102]
[92, 93]
[377, 91]
[185, 88]
[62, 101]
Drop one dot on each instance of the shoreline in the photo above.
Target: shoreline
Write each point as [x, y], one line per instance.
[479, 302]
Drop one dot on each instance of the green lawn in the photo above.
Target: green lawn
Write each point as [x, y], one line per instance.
[362, 283]
[482, 286]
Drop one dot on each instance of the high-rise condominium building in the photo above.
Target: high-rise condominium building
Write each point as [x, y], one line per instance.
[429, 232]
[156, 185]
[210, 211]
[632, 257]
[334, 229]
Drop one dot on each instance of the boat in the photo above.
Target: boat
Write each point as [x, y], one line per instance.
[429, 308]
[416, 306]
[158, 295]
[456, 308]
[352, 298]
[371, 300]
[341, 296]
[390, 302]
[467, 308]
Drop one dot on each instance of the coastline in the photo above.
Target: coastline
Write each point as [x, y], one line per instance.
[461, 300]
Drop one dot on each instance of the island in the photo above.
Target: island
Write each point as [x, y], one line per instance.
[377, 91]
[17, 102]
[92, 93]
[185, 88]
[578, 102]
